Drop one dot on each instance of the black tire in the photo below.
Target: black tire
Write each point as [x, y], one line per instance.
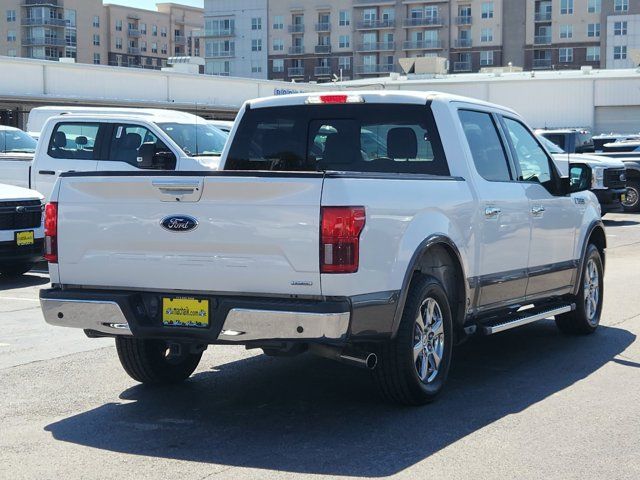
[632, 202]
[16, 270]
[146, 361]
[585, 318]
[397, 373]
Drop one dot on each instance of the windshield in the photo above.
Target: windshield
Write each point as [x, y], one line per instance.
[16, 141]
[196, 140]
[552, 147]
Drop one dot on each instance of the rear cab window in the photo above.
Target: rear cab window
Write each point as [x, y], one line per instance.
[397, 138]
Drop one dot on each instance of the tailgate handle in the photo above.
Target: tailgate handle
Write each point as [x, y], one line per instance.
[175, 185]
[47, 172]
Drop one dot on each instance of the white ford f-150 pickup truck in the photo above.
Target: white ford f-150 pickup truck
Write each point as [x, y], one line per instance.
[378, 229]
[127, 140]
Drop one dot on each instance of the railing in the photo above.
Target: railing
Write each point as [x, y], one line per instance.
[542, 40]
[464, 20]
[323, 27]
[422, 21]
[295, 71]
[44, 41]
[180, 40]
[41, 3]
[541, 63]
[375, 23]
[45, 57]
[323, 49]
[422, 45]
[222, 54]
[376, 46]
[296, 28]
[376, 68]
[322, 71]
[277, 69]
[542, 17]
[296, 50]
[134, 32]
[38, 22]
[461, 66]
[462, 43]
[133, 50]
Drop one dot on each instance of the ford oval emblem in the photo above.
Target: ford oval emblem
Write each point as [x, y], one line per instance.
[179, 223]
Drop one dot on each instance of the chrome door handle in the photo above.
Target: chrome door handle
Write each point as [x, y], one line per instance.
[537, 210]
[492, 212]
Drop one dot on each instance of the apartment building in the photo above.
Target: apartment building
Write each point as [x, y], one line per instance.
[90, 32]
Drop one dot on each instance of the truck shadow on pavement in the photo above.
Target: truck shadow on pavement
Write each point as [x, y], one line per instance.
[310, 415]
[23, 281]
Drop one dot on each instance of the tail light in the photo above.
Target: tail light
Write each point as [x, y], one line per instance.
[51, 232]
[330, 99]
[340, 239]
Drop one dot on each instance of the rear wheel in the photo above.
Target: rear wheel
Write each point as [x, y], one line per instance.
[586, 317]
[632, 198]
[16, 270]
[154, 362]
[413, 368]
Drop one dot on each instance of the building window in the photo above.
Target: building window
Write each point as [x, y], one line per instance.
[344, 41]
[164, 49]
[566, 55]
[256, 67]
[595, 6]
[487, 35]
[143, 28]
[593, 54]
[278, 23]
[163, 32]
[566, 7]
[566, 31]
[96, 59]
[278, 45]
[154, 47]
[487, 10]
[344, 63]
[154, 30]
[11, 15]
[345, 18]
[118, 25]
[12, 52]
[620, 52]
[96, 21]
[620, 28]
[593, 30]
[143, 46]
[256, 45]
[486, 58]
[11, 35]
[96, 39]
[256, 23]
[278, 65]
[621, 6]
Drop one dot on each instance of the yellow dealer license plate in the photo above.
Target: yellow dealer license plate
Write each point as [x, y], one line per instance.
[24, 238]
[185, 312]
[623, 198]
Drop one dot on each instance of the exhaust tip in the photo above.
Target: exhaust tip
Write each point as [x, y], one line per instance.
[371, 361]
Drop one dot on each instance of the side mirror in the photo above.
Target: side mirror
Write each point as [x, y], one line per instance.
[580, 176]
[150, 158]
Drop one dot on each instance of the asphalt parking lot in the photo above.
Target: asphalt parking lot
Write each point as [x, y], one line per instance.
[528, 403]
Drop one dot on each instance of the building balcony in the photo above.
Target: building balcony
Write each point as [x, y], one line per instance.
[43, 22]
[296, 28]
[464, 20]
[133, 50]
[134, 33]
[422, 22]
[542, 40]
[42, 3]
[422, 45]
[323, 49]
[43, 41]
[180, 40]
[323, 27]
[541, 63]
[374, 69]
[295, 71]
[229, 32]
[462, 43]
[542, 17]
[376, 47]
[296, 50]
[461, 66]
[375, 24]
[222, 54]
[322, 71]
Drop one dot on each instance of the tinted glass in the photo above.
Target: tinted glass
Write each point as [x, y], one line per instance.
[549, 145]
[486, 147]
[196, 140]
[127, 142]
[355, 138]
[16, 141]
[533, 161]
[556, 138]
[74, 141]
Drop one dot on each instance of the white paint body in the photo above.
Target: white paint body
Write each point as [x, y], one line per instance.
[260, 234]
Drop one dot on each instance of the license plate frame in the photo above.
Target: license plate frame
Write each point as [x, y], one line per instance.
[25, 238]
[185, 312]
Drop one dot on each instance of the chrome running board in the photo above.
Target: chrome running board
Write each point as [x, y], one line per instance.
[525, 317]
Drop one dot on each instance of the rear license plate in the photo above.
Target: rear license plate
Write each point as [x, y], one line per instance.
[185, 312]
[623, 197]
[25, 238]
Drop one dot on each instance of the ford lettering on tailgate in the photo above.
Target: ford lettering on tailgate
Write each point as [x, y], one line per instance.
[179, 223]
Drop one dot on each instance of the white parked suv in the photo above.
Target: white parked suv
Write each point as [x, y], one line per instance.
[21, 230]
[381, 252]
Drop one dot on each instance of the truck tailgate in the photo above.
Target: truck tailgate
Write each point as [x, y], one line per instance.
[255, 233]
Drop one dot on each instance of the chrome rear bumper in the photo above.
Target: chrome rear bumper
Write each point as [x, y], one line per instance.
[98, 315]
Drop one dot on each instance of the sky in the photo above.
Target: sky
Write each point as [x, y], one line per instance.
[151, 4]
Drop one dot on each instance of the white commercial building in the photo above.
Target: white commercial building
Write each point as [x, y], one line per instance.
[623, 41]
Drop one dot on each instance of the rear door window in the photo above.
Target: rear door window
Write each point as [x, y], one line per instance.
[127, 140]
[361, 138]
[75, 141]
